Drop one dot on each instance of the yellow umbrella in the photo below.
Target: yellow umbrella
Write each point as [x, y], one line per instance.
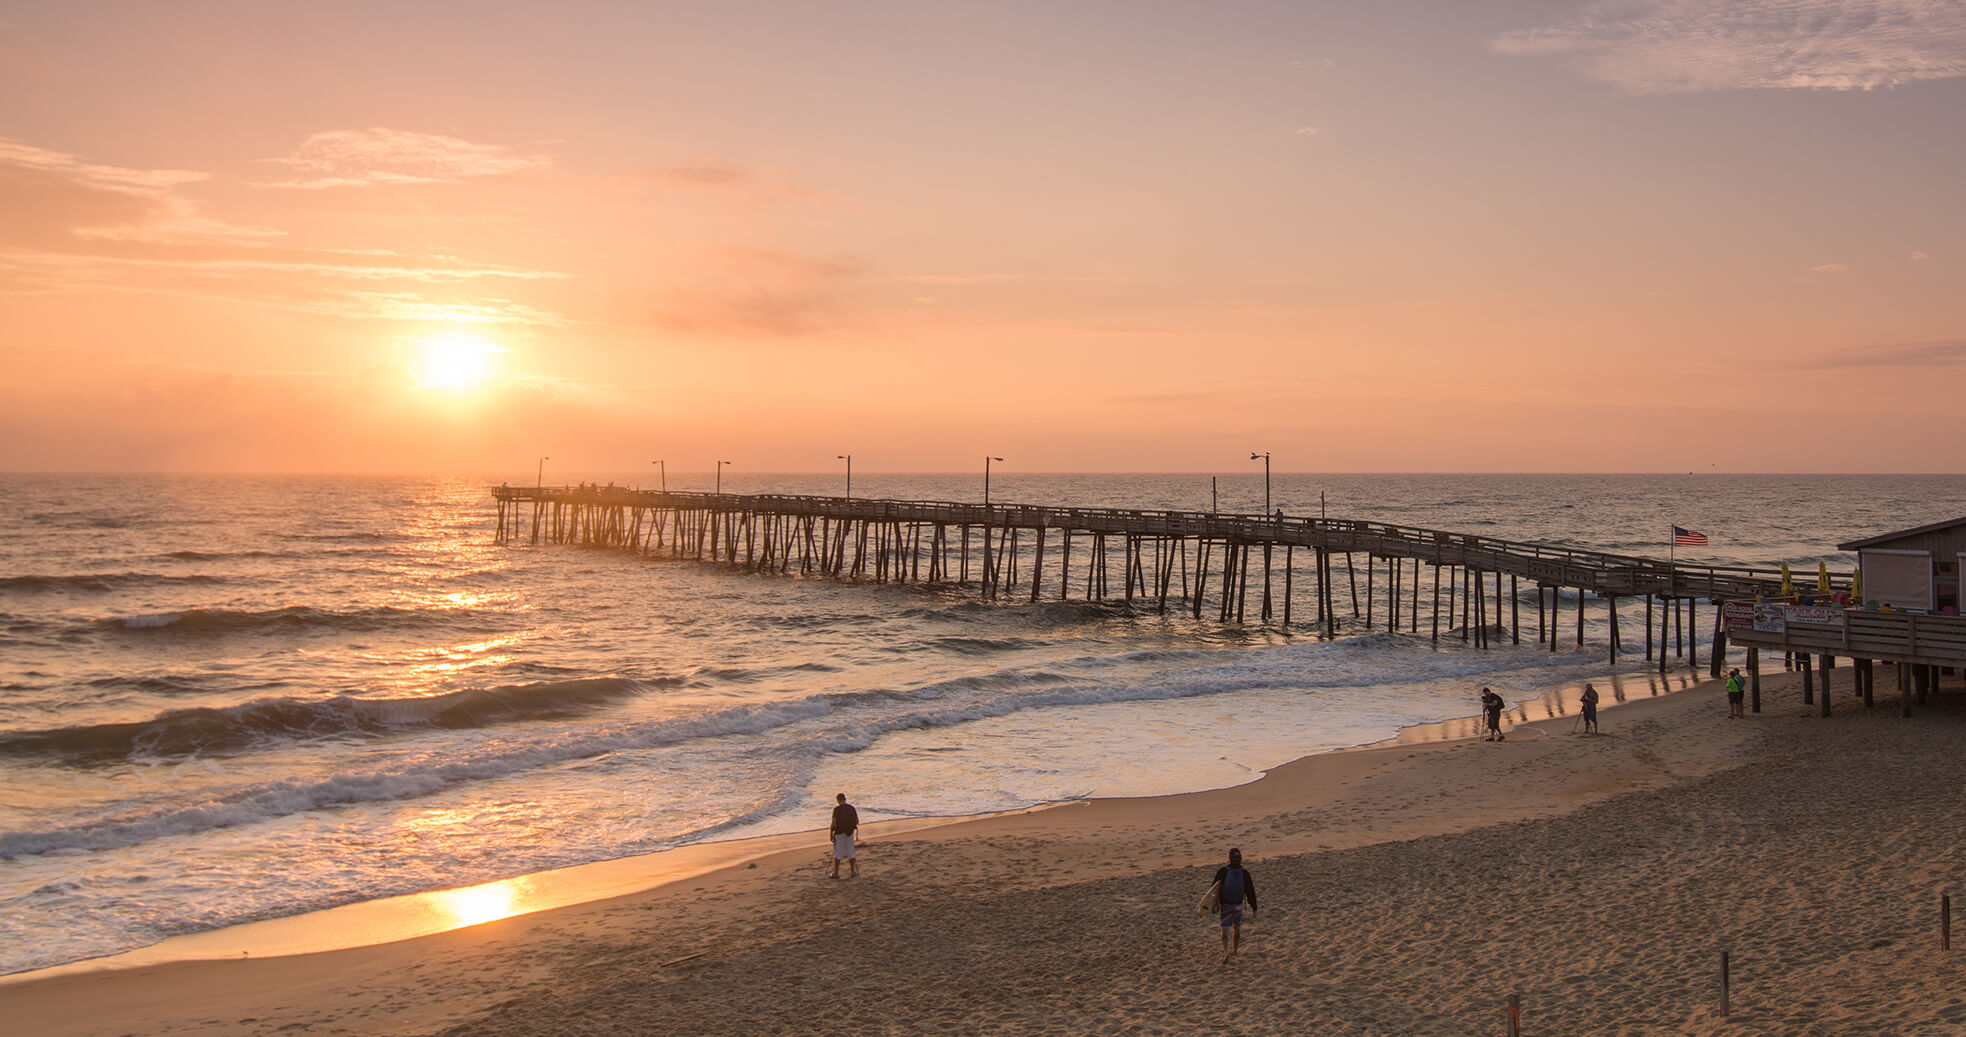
[1857, 587]
[1788, 587]
[1822, 577]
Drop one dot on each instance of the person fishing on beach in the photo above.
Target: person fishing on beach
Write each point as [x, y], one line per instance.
[1491, 706]
[1233, 886]
[1590, 710]
[846, 821]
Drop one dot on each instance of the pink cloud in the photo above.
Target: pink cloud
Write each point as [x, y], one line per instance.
[367, 158]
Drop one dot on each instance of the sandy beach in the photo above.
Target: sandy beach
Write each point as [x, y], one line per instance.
[1407, 889]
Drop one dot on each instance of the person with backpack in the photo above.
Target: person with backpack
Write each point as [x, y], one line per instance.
[1236, 886]
[1491, 705]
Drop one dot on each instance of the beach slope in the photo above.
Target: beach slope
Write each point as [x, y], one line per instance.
[1406, 888]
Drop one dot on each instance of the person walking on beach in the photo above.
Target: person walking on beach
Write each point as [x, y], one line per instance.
[1236, 887]
[1590, 710]
[846, 821]
[1735, 694]
[1491, 704]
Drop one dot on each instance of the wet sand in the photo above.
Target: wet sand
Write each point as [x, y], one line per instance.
[1408, 888]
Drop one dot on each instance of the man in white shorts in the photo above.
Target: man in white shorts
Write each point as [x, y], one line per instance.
[846, 821]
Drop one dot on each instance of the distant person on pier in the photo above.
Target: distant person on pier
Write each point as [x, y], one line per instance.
[1491, 706]
[1590, 710]
[1736, 694]
[846, 821]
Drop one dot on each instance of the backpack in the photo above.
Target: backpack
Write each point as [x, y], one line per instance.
[1232, 886]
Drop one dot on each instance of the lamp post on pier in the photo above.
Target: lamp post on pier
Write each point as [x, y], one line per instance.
[848, 458]
[720, 475]
[1265, 455]
[986, 479]
[662, 467]
[539, 477]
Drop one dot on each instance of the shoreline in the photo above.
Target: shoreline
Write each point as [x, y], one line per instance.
[410, 916]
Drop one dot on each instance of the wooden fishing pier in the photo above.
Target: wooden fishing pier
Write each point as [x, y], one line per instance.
[1350, 574]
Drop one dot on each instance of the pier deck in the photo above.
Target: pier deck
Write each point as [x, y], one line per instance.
[1161, 556]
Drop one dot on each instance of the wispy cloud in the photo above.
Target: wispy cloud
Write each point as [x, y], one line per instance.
[61, 194]
[953, 278]
[367, 158]
[713, 176]
[1305, 131]
[1830, 268]
[1947, 353]
[766, 293]
[1920, 255]
[1677, 46]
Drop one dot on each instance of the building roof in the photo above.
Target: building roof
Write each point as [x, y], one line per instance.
[1885, 538]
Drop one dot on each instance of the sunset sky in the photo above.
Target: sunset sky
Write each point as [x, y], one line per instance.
[1649, 235]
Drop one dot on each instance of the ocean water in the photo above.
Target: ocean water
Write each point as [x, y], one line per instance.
[225, 699]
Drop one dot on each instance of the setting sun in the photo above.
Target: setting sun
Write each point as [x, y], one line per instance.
[456, 363]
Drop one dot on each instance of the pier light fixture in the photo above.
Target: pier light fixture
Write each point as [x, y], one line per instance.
[848, 458]
[1265, 455]
[720, 475]
[539, 477]
[662, 468]
[986, 478]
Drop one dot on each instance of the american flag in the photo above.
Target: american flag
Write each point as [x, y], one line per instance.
[1687, 536]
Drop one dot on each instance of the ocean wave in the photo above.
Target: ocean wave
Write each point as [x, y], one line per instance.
[967, 645]
[234, 729]
[99, 582]
[804, 728]
[293, 617]
[212, 556]
[415, 778]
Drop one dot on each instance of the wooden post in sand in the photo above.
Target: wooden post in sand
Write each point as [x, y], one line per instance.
[1693, 625]
[1945, 921]
[1808, 678]
[1829, 663]
[1723, 984]
[1719, 640]
[1612, 610]
[1754, 676]
[1515, 1015]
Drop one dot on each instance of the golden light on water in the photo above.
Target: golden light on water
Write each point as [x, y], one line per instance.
[474, 905]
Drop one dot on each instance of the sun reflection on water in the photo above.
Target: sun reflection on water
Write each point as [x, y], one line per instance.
[475, 905]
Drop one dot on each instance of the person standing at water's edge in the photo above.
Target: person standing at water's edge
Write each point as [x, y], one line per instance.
[1590, 710]
[846, 821]
[1237, 886]
[1491, 708]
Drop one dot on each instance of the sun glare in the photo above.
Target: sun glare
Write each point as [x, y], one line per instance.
[452, 363]
[477, 904]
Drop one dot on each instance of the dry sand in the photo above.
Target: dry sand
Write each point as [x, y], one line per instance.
[1407, 889]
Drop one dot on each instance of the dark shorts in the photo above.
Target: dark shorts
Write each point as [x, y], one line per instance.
[1590, 712]
[1231, 915]
[1734, 696]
